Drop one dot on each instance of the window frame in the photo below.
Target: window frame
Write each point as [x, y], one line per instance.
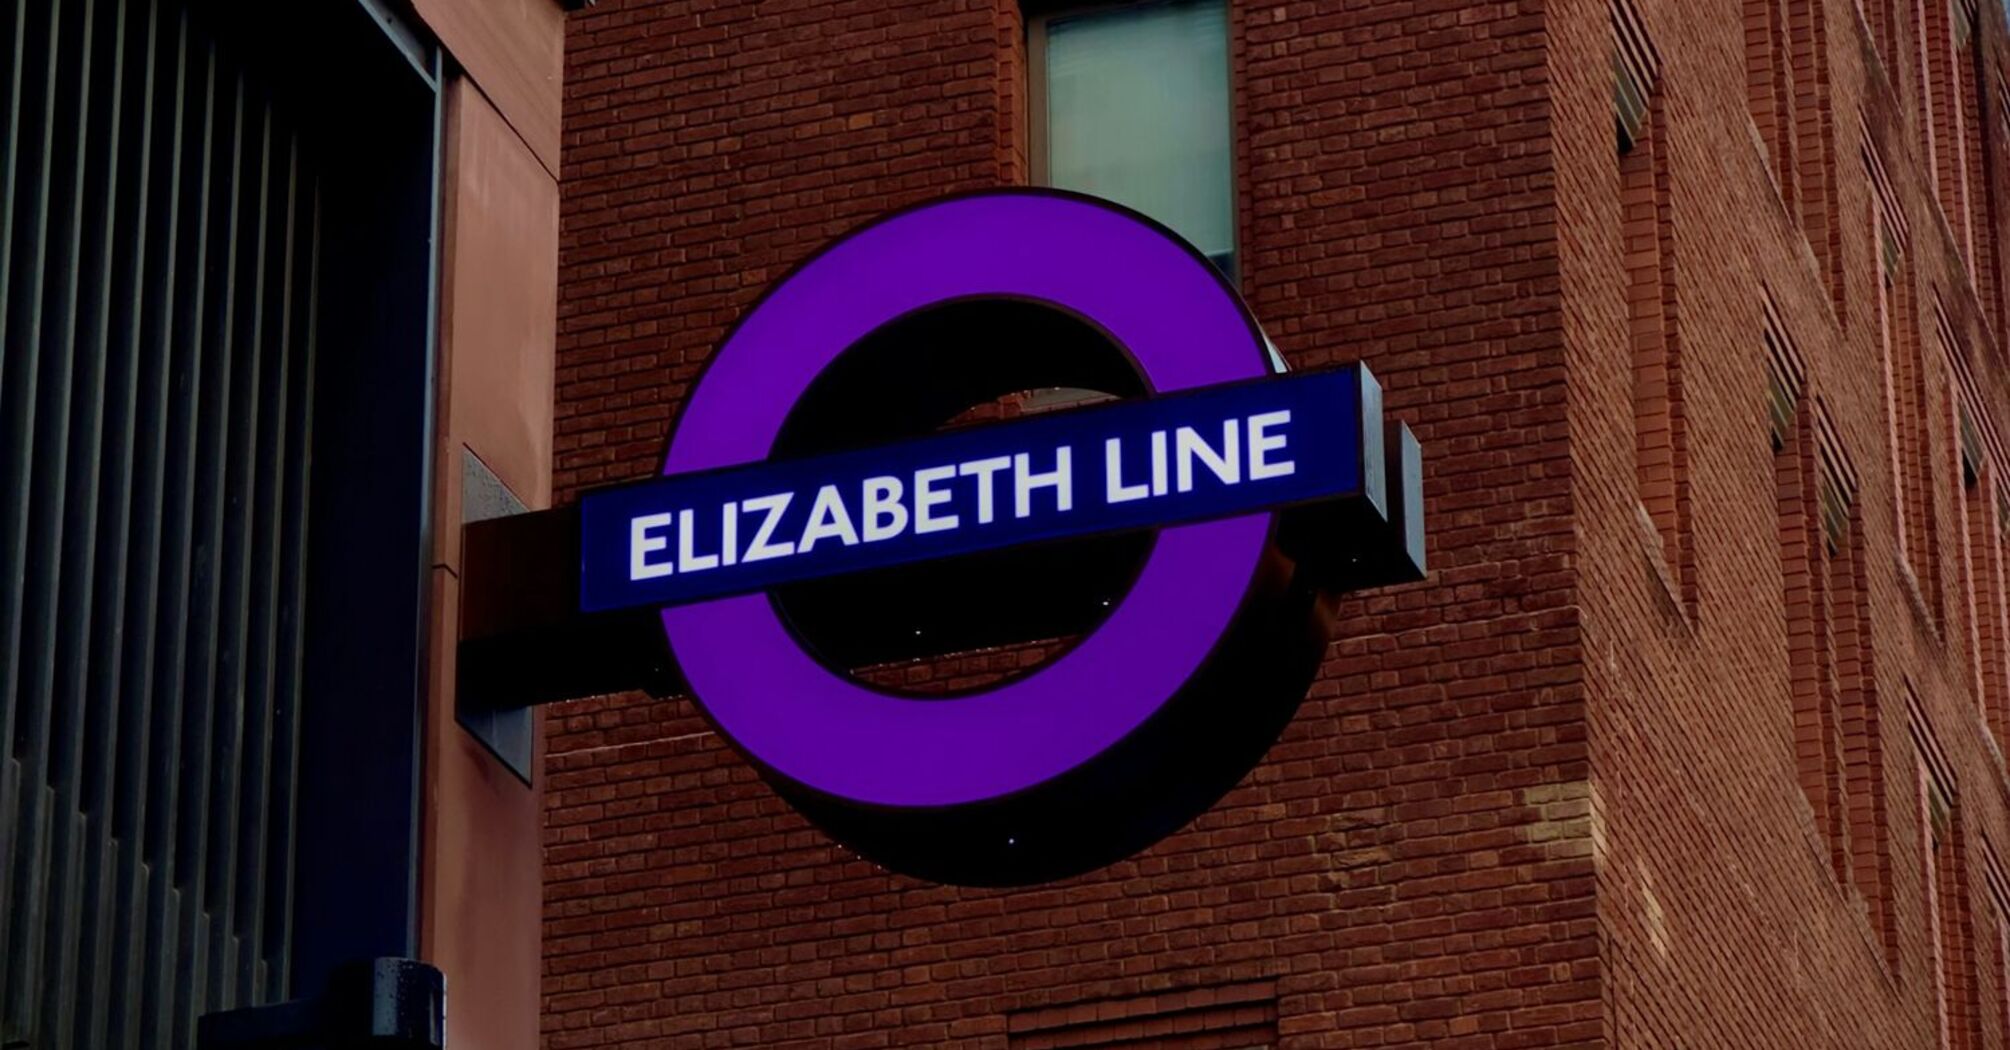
[1948, 885]
[1942, 956]
[1038, 15]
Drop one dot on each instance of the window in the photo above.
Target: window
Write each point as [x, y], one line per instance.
[1920, 534]
[1797, 501]
[1985, 632]
[1946, 884]
[2002, 940]
[1647, 239]
[1636, 67]
[1131, 103]
[1936, 831]
[1998, 933]
[1906, 388]
[1996, 605]
[1836, 721]
[1997, 297]
[1837, 741]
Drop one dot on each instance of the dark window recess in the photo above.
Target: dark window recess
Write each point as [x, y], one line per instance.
[1981, 608]
[1635, 67]
[1838, 754]
[1996, 603]
[1660, 457]
[1948, 914]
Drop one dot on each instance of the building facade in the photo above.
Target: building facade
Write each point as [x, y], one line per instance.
[1694, 737]
[277, 289]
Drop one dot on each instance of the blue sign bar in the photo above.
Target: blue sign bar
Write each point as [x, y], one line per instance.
[1210, 453]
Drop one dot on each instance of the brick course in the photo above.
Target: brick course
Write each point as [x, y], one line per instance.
[1548, 797]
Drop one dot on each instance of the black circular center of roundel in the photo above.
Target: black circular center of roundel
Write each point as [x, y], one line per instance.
[965, 362]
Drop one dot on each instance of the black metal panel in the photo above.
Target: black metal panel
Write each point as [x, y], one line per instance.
[160, 259]
[509, 734]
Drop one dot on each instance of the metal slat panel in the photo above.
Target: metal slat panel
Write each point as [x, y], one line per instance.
[36, 106]
[260, 638]
[35, 728]
[290, 625]
[10, 168]
[234, 554]
[153, 414]
[103, 943]
[160, 262]
[199, 697]
[170, 648]
[77, 828]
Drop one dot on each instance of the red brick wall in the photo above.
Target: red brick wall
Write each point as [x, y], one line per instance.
[1539, 800]
[1723, 917]
[1413, 861]
[709, 146]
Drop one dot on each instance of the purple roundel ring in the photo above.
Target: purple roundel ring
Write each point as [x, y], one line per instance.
[821, 730]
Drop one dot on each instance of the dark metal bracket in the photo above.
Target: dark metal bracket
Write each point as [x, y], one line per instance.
[379, 1004]
[524, 640]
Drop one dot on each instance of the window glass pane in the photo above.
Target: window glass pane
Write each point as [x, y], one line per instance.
[1137, 112]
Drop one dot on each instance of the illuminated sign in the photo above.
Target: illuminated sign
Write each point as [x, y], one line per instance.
[1210, 453]
[1261, 494]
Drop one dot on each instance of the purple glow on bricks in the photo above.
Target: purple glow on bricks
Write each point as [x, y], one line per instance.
[823, 730]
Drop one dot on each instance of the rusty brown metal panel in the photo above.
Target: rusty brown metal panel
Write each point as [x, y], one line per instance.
[514, 50]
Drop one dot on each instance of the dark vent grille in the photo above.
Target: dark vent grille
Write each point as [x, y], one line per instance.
[158, 247]
[1224, 1017]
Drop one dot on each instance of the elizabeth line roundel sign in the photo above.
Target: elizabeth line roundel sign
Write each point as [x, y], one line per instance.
[1258, 494]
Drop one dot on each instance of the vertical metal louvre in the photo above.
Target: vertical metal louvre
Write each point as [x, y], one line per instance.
[159, 238]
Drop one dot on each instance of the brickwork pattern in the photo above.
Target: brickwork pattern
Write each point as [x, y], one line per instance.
[1547, 798]
[1725, 917]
